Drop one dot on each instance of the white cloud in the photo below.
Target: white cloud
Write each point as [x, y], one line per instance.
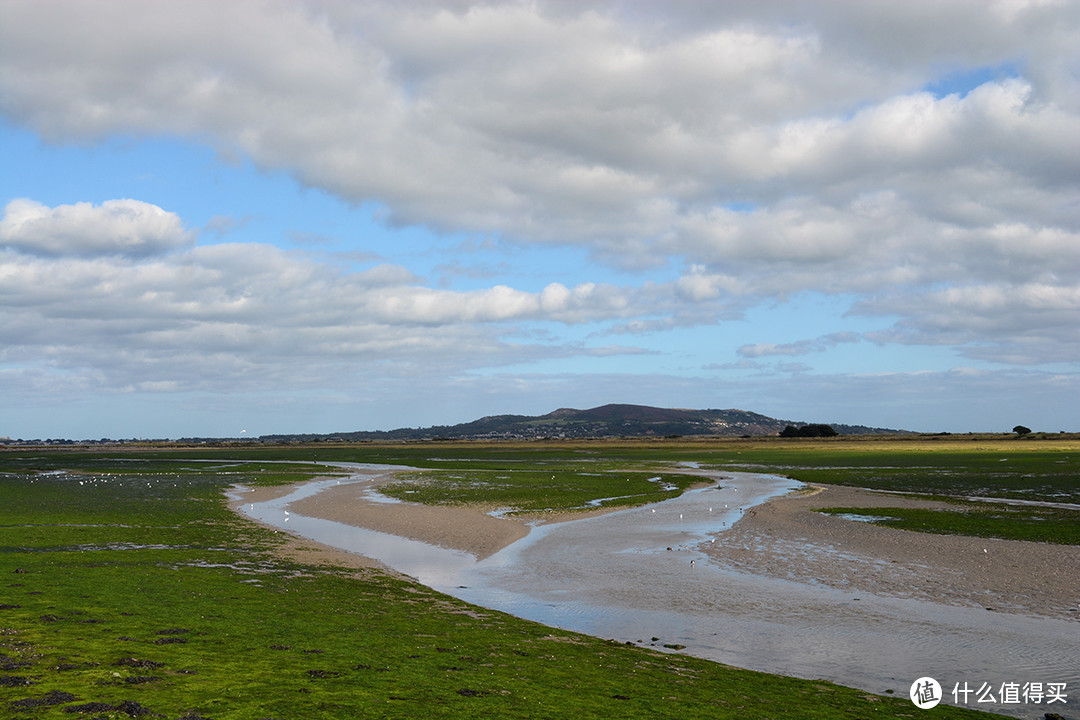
[545, 123]
[116, 227]
[225, 316]
[800, 347]
[730, 154]
[1028, 324]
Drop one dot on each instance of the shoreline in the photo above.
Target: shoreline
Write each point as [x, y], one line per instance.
[302, 549]
[469, 528]
[782, 538]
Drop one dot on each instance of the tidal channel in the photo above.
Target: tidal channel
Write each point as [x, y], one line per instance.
[627, 575]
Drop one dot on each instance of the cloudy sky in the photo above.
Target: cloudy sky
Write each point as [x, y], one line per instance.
[262, 217]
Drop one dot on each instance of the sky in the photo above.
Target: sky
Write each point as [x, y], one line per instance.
[245, 218]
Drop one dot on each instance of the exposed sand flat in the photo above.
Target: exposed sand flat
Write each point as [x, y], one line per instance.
[786, 538]
[305, 550]
[467, 528]
[462, 528]
[782, 538]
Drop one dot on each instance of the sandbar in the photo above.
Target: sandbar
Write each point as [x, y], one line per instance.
[469, 528]
[786, 538]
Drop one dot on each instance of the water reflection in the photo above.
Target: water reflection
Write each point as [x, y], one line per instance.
[430, 564]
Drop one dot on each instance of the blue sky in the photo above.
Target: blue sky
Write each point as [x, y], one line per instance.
[273, 217]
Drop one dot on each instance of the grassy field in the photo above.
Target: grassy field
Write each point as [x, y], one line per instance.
[130, 589]
[981, 519]
[529, 491]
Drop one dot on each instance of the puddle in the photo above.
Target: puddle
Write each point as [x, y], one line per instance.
[857, 517]
[639, 573]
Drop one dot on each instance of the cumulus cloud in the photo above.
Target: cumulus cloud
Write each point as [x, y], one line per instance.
[1025, 324]
[223, 315]
[116, 227]
[743, 152]
[546, 123]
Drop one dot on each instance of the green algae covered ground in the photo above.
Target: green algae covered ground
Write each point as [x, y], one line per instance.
[128, 589]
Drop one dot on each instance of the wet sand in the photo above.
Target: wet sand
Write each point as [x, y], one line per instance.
[782, 592]
[468, 528]
[783, 538]
[786, 538]
[461, 528]
[305, 550]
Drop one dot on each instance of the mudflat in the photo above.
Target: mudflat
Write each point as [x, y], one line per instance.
[784, 538]
[469, 528]
[787, 538]
[458, 527]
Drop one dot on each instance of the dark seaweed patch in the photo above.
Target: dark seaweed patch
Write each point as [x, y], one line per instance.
[136, 663]
[54, 697]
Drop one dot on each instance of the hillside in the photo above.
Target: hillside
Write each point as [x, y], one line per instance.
[603, 421]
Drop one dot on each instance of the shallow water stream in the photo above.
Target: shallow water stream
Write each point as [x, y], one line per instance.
[628, 575]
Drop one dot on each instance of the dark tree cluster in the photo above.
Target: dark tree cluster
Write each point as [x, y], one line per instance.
[812, 430]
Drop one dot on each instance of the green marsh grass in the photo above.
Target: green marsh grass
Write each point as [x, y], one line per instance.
[1046, 471]
[988, 520]
[138, 591]
[531, 491]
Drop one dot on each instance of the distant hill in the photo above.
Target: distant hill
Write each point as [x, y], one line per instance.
[598, 422]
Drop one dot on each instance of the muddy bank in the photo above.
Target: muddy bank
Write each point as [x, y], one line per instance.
[305, 550]
[786, 538]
